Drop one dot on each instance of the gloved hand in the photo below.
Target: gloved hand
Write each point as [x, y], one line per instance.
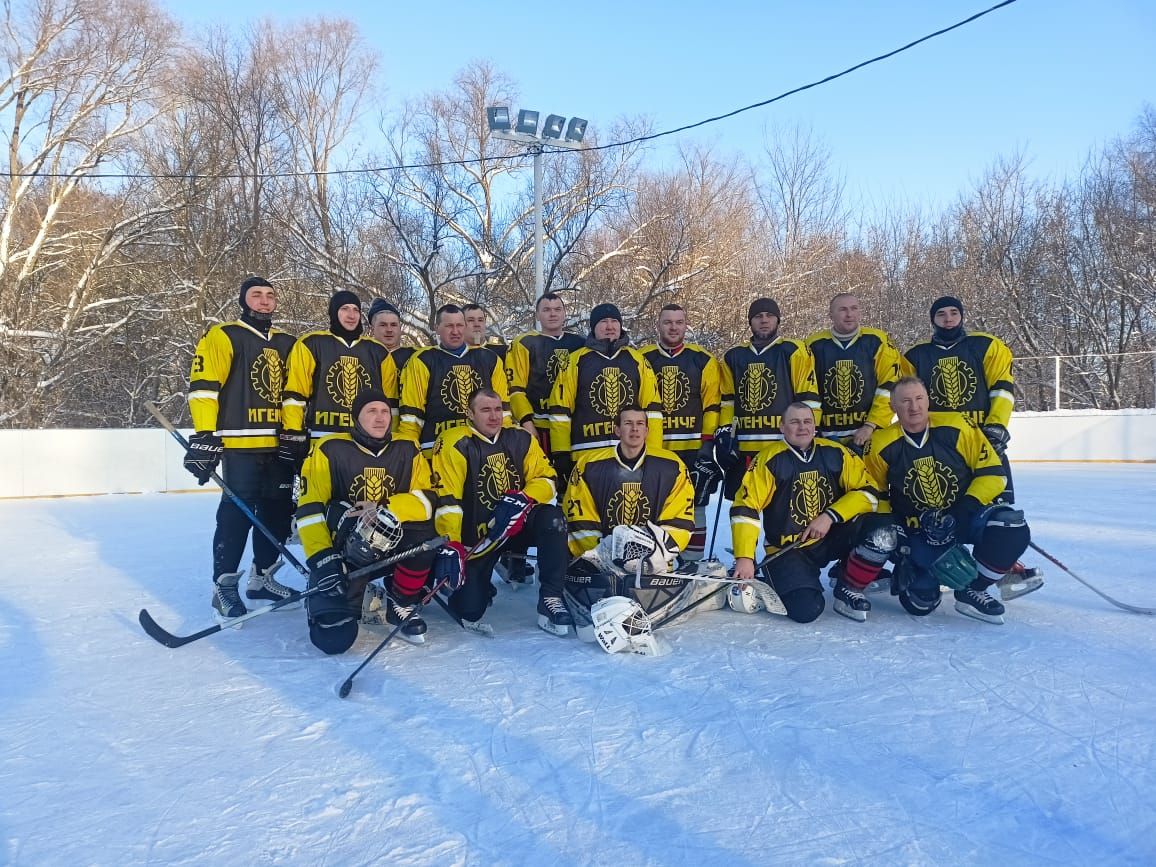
[706, 475]
[292, 446]
[203, 454]
[726, 448]
[938, 527]
[327, 572]
[450, 565]
[998, 436]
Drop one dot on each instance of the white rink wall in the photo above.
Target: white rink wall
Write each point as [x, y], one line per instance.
[46, 463]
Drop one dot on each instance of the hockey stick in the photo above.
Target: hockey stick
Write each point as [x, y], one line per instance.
[237, 501]
[1124, 605]
[759, 567]
[347, 684]
[471, 555]
[714, 530]
[168, 639]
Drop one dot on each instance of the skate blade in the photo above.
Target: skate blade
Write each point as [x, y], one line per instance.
[259, 597]
[478, 628]
[849, 612]
[968, 611]
[1019, 587]
[226, 622]
[558, 629]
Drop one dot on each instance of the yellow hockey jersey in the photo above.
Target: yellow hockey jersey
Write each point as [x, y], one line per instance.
[436, 385]
[689, 384]
[532, 366]
[759, 384]
[855, 378]
[972, 376]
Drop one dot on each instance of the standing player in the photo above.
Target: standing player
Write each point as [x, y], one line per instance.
[235, 387]
[364, 496]
[496, 490]
[760, 379]
[327, 370]
[689, 382]
[385, 328]
[604, 376]
[855, 368]
[438, 380]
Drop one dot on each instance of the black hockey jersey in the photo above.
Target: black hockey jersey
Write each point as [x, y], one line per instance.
[972, 376]
[759, 384]
[436, 386]
[533, 364]
[855, 380]
[400, 356]
[325, 374]
[689, 385]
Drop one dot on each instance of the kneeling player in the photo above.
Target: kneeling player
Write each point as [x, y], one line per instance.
[942, 479]
[630, 512]
[364, 496]
[808, 490]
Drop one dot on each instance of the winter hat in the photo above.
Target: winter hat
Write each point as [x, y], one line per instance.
[604, 311]
[946, 301]
[380, 305]
[340, 298]
[248, 284]
[763, 305]
[364, 397]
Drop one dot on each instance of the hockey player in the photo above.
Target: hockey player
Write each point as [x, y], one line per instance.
[496, 491]
[604, 376]
[630, 512]
[760, 379]
[855, 368]
[533, 363]
[385, 328]
[364, 495]
[238, 373]
[327, 369]
[689, 383]
[438, 380]
[943, 481]
[476, 335]
[805, 489]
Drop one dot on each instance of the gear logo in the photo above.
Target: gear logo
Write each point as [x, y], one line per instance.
[628, 505]
[610, 391]
[674, 386]
[372, 484]
[811, 493]
[930, 484]
[757, 388]
[267, 376]
[953, 383]
[556, 363]
[496, 477]
[344, 379]
[460, 382]
[843, 385]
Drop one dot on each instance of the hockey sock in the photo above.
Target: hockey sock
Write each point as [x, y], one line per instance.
[859, 572]
[408, 583]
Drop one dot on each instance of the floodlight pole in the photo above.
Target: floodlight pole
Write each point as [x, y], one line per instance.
[539, 230]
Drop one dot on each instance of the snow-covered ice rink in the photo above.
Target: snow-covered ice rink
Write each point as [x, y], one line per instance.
[758, 741]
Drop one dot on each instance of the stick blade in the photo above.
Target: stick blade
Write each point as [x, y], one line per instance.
[162, 636]
[345, 687]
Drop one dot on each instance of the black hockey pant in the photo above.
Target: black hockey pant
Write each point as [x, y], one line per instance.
[795, 574]
[265, 485]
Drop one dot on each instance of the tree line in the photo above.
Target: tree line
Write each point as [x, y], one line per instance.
[260, 151]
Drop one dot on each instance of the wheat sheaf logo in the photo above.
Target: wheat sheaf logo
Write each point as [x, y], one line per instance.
[610, 391]
[344, 379]
[460, 382]
[930, 484]
[556, 363]
[757, 388]
[953, 382]
[372, 484]
[674, 386]
[267, 376]
[811, 493]
[495, 478]
[628, 505]
[843, 385]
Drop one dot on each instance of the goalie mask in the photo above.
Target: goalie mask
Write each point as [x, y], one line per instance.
[620, 624]
[371, 533]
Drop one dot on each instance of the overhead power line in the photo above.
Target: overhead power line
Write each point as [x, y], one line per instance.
[474, 161]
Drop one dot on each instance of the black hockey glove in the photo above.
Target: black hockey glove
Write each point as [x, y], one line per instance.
[203, 454]
[293, 446]
[998, 436]
[327, 572]
[706, 475]
[937, 528]
[726, 448]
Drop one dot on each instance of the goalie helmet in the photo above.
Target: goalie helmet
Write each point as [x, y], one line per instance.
[743, 598]
[621, 624]
[372, 533]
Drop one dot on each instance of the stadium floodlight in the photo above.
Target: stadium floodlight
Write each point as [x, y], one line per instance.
[527, 122]
[498, 118]
[552, 128]
[576, 130]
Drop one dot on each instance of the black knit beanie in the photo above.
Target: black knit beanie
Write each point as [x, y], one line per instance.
[946, 301]
[248, 284]
[604, 311]
[380, 305]
[340, 298]
[763, 305]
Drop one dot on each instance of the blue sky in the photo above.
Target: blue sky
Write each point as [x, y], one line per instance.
[1050, 78]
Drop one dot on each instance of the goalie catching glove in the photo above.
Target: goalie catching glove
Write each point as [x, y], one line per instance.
[510, 514]
[644, 549]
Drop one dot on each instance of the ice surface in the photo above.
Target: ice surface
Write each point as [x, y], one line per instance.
[758, 741]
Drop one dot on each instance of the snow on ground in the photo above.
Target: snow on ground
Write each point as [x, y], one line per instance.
[758, 741]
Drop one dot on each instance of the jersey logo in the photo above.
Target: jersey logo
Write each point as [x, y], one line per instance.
[344, 379]
[843, 385]
[628, 505]
[556, 363]
[610, 391]
[811, 493]
[460, 382]
[930, 484]
[757, 388]
[952, 383]
[267, 376]
[495, 478]
[374, 484]
[674, 386]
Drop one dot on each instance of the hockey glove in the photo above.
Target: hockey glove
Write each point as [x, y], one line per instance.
[998, 436]
[706, 475]
[937, 528]
[726, 448]
[292, 446]
[509, 518]
[327, 572]
[450, 565]
[203, 454]
[563, 466]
